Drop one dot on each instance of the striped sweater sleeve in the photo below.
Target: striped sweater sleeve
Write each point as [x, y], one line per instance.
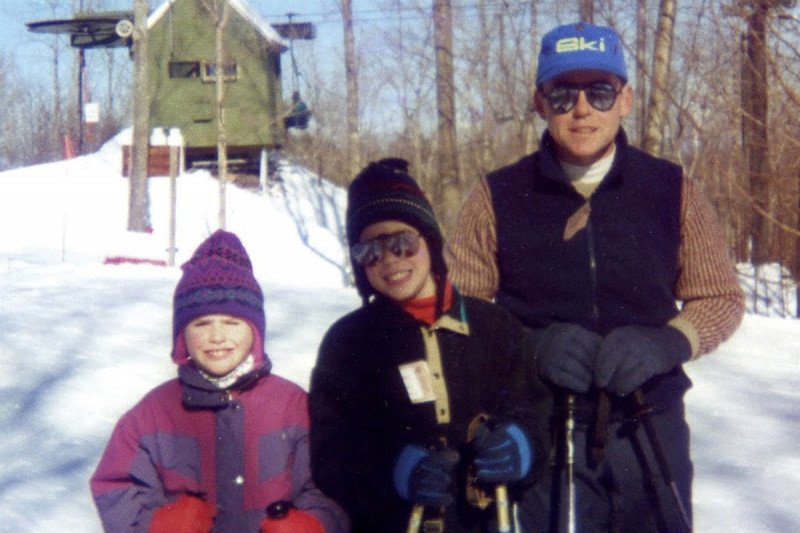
[471, 252]
[708, 286]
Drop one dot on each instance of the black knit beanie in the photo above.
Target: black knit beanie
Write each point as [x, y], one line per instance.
[384, 190]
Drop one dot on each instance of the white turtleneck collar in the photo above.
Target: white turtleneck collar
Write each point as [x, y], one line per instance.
[585, 179]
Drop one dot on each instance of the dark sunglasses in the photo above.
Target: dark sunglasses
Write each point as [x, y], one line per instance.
[400, 244]
[601, 95]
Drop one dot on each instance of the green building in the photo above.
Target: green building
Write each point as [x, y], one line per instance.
[181, 53]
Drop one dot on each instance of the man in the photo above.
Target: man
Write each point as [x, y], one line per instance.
[590, 242]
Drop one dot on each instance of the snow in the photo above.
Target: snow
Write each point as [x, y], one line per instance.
[81, 341]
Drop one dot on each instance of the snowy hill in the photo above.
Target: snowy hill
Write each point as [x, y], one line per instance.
[81, 341]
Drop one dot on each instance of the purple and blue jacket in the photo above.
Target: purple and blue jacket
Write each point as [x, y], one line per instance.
[240, 449]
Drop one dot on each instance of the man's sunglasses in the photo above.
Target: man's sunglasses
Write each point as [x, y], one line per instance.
[601, 95]
[400, 244]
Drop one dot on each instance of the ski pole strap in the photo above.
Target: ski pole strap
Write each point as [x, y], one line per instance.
[643, 412]
[599, 435]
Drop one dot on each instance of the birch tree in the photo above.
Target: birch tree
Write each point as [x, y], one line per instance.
[351, 75]
[218, 9]
[448, 194]
[138, 210]
[657, 107]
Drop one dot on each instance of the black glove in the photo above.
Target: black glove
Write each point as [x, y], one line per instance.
[564, 354]
[424, 476]
[502, 454]
[631, 355]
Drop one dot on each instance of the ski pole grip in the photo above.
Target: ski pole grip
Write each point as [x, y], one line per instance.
[415, 519]
[501, 501]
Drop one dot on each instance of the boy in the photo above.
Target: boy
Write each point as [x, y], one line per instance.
[214, 448]
[420, 392]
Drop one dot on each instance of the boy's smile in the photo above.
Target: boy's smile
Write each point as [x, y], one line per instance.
[396, 277]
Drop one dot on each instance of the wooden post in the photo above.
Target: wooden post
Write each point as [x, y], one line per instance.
[174, 164]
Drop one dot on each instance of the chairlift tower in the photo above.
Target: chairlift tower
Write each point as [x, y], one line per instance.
[89, 30]
[292, 31]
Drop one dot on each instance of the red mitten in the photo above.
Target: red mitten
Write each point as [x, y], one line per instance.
[293, 521]
[187, 514]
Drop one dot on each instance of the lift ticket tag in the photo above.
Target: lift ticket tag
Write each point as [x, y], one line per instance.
[417, 379]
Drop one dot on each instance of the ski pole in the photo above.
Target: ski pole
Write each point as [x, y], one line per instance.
[569, 429]
[501, 501]
[415, 519]
[643, 410]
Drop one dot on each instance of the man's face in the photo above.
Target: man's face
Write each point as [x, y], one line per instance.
[584, 134]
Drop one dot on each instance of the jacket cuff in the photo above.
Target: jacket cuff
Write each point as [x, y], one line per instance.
[688, 331]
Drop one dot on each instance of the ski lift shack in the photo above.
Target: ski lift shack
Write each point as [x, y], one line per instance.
[182, 60]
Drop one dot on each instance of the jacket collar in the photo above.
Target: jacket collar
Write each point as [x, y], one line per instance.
[392, 316]
[199, 393]
[549, 167]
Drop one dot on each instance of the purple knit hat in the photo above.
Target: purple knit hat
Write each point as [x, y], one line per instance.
[218, 279]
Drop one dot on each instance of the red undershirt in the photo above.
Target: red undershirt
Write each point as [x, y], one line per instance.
[424, 309]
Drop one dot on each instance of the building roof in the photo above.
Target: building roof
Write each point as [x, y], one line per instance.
[242, 7]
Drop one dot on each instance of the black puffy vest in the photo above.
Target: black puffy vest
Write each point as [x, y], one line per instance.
[620, 269]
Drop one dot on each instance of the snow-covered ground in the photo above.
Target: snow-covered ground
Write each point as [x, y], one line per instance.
[81, 341]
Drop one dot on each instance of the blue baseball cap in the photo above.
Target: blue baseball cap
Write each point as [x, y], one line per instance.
[580, 46]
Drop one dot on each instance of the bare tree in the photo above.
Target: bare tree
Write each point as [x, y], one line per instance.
[351, 74]
[641, 68]
[494, 61]
[138, 209]
[447, 196]
[219, 12]
[654, 129]
[587, 10]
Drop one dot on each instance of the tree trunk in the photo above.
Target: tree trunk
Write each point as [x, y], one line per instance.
[654, 130]
[754, 127]
[447, 196]
[138, 208]
[220, 20]
[484, 43]
[351, 76]
[529, 135]
[641, 69]
[587, 11]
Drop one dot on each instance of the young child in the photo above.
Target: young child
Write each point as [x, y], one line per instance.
[421, 391]
[214, 448]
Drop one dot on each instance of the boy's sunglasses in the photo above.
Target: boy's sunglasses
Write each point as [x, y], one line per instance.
[601, 95]
[400, 244]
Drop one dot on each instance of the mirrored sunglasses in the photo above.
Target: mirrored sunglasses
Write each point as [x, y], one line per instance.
[401, 244]
[562, 98]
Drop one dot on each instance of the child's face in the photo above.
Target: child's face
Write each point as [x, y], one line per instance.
[396, 277]
[218, 343]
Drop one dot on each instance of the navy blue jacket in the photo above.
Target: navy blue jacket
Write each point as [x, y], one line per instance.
[362, 417]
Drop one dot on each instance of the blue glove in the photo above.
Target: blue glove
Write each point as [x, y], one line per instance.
[502, 454]
[631, 355]
[424, 476]
[564, 354]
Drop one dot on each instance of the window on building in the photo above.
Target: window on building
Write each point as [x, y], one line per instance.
[230, 71]
[184, 69]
